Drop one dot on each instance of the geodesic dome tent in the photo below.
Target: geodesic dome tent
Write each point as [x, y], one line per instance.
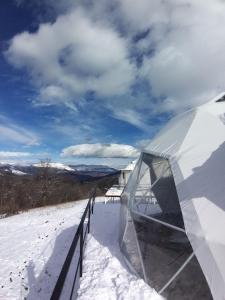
[173, 207]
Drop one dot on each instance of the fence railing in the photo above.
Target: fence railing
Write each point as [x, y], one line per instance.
[80, 235]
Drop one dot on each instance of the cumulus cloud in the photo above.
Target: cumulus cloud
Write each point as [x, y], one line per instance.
[187, 37]
[11, 132]
[179, 46]
[100, 150]
[176, 47]
[71, 56]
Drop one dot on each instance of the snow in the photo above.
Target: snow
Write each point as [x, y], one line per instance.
[33, 247]
[17, 172]
[59, 166]
[115, 191]
[106, 275]
[34, 244]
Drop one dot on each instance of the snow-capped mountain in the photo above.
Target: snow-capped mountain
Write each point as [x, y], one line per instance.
[10, 169]
[17, 172]
[77, 172]
[58, 166]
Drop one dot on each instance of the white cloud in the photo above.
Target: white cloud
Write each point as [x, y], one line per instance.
[182, 48]
[188, 64]
[91, 48]
[71, 56]
[132, 117]
[11, 154]
[100, 150]
[11, 132]
[142, 14]
[21, 158]
[117, 163]
[52, 95]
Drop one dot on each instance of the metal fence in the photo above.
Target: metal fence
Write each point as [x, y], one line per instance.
[80, 236]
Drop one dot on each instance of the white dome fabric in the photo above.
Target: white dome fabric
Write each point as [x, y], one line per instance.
[194, 144]
[198, 166]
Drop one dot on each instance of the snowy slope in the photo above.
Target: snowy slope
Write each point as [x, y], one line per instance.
[106, 275]
[33, 246]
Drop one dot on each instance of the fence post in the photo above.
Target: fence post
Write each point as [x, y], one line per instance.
[93, 202]
[81, 250]
[89, 216]
[92, 205]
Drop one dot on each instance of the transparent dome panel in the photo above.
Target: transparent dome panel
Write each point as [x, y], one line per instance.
[190, 284]
[163, 250]
[155, 194]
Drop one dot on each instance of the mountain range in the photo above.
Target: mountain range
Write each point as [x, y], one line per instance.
[78, 172]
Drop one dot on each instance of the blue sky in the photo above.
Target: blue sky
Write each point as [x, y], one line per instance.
[102, 76]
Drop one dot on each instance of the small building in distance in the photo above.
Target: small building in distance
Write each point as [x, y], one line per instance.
[115, 191]
[125, 173]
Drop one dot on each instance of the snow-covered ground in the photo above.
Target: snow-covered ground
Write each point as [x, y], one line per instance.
[33, 247]
[34, 244]
[114, 193]
[106, 275]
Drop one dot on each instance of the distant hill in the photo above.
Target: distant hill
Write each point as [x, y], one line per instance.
[30, 186]
[82, 173]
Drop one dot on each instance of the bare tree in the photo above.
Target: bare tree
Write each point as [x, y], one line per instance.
[46, 180]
